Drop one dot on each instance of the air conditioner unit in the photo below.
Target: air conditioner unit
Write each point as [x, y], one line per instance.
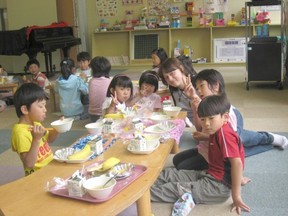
[229, 50]
[143, 45]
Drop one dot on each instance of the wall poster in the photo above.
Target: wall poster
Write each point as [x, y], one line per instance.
[130, 2]
[158, 7]
[107, 8]
[213, 6]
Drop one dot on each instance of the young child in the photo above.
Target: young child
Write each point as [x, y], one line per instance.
[98, 86]
[84, 70]
[29, 138]
[70, 87]
[5, 95]
[146, 98]
[158, 56]
[226, 163]
[33, 66]
[210, 82]
[119, 93]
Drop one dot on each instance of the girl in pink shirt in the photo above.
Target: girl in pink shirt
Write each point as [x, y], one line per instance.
[98, 86]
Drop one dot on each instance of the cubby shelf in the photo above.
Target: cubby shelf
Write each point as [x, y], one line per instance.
[200, 39]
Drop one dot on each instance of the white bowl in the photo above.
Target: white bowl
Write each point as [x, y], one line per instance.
[94, 186]
[62, 126]
[94, 128]
[9, 78]
[157, 118]
[172, 111]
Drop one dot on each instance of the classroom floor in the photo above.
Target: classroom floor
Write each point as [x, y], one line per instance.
[264, 108]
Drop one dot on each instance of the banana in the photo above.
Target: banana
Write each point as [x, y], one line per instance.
[82, 154]
[109, 163]
[106, 165]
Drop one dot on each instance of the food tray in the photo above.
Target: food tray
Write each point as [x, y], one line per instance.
[120, 185]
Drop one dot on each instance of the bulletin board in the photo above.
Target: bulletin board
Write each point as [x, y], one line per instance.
[131, 2]
[106, 8]
[158, 7]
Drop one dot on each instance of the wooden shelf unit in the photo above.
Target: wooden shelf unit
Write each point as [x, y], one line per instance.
[200, 39]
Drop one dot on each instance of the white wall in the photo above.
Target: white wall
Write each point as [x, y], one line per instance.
[28, 13]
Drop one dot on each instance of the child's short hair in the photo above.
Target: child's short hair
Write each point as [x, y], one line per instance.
[161, 53]
[32, 61]
[67, 65]
[83, 56]
[212, 77]
[100, 66]
[122, 81]
[149, 77]
[26, 95]
[213, 105]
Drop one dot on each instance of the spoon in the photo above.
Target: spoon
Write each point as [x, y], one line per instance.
[110, 179]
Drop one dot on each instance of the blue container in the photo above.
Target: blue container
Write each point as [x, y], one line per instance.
[265, 30]
[259, 31]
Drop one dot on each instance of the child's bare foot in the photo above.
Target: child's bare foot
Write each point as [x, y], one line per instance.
[245, 180]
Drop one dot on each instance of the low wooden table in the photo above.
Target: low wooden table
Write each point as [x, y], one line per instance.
[9, 86]
[27, 196]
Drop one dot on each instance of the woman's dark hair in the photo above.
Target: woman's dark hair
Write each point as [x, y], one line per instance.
[149, 77]
[213, 105]
[122, 81]
[26, 95]
[212, 77]
[67, 65]
[100, 66]
[161, 53]
[170, 65]
[187, 63]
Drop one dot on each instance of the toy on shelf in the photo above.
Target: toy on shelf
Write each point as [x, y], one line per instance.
[219, 20]
[243, 16]
[201, 17]
[263, 17]
[189, 6]
[187, 51]
[103, 25]
[208, 20]
[141, 24]
[232, 22]
[117, 26]
[164, 22]
[129, 24]
[152, 23]
[175, 14]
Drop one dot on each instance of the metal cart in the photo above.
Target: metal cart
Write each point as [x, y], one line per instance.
[265, 55]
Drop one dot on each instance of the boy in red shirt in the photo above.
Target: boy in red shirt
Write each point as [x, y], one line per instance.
[226, 163]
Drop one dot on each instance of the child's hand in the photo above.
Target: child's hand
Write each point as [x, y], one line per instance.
[200, 136]
[143, 92]
[114, 98]
[189, 90]
[37, 131]
[238, 205]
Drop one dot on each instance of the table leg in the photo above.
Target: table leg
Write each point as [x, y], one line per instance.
[52, 99]
[175, 148]
[144, 205]
[14, 89]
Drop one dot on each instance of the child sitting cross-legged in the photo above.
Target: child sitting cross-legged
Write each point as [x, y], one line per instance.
[225, 166]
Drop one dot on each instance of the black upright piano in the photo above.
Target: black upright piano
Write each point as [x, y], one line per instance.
[31, 41]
